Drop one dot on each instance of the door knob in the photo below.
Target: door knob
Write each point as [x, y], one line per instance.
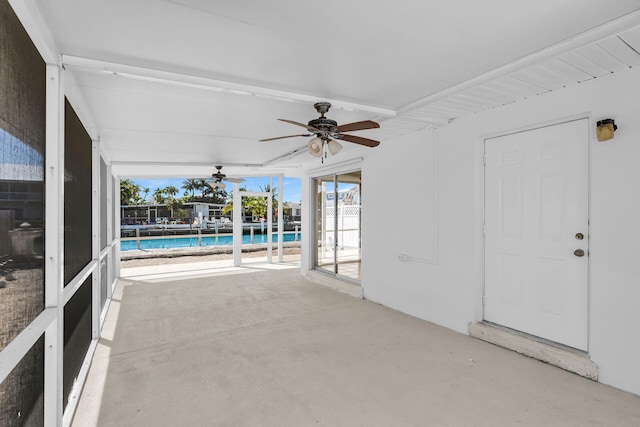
[578, 252]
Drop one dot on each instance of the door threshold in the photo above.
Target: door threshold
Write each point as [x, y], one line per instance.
[325, 279]
[569, 360]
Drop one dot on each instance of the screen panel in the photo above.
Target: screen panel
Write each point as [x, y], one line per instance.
[104, 269]
[115, 196]
[77, 335]
[103, 204]
[22, 392]
[22, 157]
[77, 195]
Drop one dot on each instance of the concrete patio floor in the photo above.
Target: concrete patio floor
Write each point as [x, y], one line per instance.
[262, 346]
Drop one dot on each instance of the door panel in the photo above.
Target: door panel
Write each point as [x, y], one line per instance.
[348, 207]
[536, 200]
[324, 230]
[338, 224]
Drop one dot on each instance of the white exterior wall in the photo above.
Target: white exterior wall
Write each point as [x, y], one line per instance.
[446, 288]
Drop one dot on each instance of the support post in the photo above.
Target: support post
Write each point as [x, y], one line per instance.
[96, 244]
[237, 225]
[113, 233]
[117, 234]
[270, 222]
[54, 245]
[280, 218]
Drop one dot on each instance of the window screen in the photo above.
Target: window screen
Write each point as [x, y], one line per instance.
[77, 195]
[22, 144]
[77, 335]
[21, 393]
[103, 204]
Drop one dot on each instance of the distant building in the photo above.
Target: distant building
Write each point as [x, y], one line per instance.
[160, 213]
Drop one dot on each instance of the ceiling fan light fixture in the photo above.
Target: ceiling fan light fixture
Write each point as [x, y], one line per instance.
[217, 185]
[315, 147]
[334, 147]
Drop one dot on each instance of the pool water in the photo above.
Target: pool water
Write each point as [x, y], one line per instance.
[187, 242]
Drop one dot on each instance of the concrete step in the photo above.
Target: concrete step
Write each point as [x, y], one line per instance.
[567, 359]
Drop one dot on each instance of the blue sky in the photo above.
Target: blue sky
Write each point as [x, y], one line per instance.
[291, 185]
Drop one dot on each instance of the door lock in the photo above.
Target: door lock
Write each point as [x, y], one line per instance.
[579, 236]
[578, 252]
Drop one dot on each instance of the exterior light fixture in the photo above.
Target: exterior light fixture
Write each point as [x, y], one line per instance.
[605, 129]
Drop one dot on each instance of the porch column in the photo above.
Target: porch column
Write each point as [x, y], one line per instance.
[237, 225]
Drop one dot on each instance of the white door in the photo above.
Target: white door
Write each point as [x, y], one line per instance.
[536, 218]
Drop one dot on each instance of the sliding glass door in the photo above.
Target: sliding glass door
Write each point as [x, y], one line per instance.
[337, 224]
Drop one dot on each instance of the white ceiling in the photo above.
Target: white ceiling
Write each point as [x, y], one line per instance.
[187, 79]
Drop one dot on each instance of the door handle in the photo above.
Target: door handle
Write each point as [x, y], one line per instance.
[578, 252]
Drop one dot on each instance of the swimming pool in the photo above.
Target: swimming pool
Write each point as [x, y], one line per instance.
[188, 242]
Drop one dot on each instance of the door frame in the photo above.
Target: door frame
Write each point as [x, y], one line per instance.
[348, 166]
[480, 190]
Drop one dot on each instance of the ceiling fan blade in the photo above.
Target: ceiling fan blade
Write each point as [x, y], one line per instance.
[283, 137]
[358, 140]
[349, 127]
[237, 180]
[309, 128]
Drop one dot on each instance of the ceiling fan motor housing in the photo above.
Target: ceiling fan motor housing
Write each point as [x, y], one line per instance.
[218, 176]
[326, 126]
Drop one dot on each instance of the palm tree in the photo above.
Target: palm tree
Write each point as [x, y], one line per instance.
[158, 195]
[203, 184]
[229, 207]
[256, 206]
[191, 185]
[173, 204]
[145, 190]
[274, 196]
[129, 192]
[170, 190]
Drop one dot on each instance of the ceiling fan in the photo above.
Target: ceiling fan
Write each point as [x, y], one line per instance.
[219, 177]
[327, 132]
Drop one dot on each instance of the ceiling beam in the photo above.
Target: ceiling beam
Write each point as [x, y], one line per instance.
[186, 80]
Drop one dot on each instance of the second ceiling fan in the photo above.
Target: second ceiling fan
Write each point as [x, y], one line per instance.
[219, 177]
[327, 132]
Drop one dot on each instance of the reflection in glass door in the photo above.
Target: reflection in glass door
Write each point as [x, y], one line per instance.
[324, 223]
[337, 224]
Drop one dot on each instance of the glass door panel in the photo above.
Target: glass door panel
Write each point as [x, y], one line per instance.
[337, 224]
[347, 214]
[324, 224]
